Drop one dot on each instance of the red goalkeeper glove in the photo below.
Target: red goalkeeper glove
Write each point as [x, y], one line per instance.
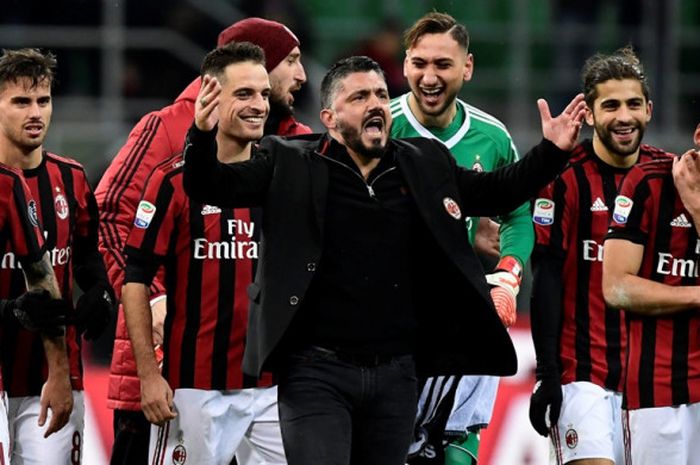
[505, 282]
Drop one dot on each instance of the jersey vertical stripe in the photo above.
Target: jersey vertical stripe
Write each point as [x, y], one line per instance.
[208, 255]
[593, 336]
[663, 352]
[66, 208]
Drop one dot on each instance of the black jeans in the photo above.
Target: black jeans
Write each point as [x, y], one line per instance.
[335, 411]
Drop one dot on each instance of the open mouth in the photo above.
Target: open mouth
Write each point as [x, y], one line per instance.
[254, 119]
[432, 94]
[374, 125]
[34, 130]
[625, 133]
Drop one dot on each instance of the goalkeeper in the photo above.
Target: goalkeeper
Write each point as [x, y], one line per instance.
[452, 410]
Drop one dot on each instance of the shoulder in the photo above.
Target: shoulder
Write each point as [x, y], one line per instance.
[298, 143]
[64, 161]
[486, 123]
[169, 168]
[649, 153]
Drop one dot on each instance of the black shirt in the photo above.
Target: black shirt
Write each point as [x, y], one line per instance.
[360, 299]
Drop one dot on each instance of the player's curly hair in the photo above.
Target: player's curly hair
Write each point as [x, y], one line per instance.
[29, 63]
[622, 64]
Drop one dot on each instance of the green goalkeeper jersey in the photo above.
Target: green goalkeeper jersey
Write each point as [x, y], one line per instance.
[478, 141]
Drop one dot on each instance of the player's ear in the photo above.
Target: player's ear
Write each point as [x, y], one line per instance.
[696, 136]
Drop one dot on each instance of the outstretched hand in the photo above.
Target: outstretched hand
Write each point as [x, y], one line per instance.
[563, 130]
[206, 107]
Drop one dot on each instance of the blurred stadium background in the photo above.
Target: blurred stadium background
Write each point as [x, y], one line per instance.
[119, 59]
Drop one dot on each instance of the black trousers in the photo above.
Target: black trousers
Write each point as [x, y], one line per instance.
[131, 435]
[335, 411]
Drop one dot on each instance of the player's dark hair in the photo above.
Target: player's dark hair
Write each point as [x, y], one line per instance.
[622, 64]
[216, 61]
[341, 69]
[29, 63]
[436, 23]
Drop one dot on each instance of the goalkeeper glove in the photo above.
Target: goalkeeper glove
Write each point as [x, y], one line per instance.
[36, 310]
[505, 282]
[94, 310]
[545, 404]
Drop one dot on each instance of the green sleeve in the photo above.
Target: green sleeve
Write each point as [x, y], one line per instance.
[516, 233]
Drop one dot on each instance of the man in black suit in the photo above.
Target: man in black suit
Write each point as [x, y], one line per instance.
[363, 243]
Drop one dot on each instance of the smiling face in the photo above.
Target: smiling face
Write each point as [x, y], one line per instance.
[620, 115]
[436, 66]
[244, 101]
[25, 115]
[359, 116]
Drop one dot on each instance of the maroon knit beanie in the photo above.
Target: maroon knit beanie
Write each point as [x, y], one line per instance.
[274, 38]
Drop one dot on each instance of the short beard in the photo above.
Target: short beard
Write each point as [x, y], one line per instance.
[353, 141]
[608, 141]
[280, 107]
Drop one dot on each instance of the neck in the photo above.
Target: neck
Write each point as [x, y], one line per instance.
[611, 158]
[364, 163]
[232, 150]
[441, 120]
[16, 157]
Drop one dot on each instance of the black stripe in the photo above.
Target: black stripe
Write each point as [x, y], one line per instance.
[163, 199]
[662, 242]
[583, 278]
[225, 305]
[69, 191]
[192, 305]
[613, 316]
[21, 203]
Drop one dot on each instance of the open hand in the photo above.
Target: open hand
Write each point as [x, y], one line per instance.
[206, 107]
[563, 130]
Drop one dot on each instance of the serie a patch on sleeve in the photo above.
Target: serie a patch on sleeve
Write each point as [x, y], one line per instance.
[144, 214]
[543, 213]
[623, 206]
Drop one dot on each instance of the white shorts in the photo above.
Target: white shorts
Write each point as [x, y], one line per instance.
[29, 447]
[589, 426]
[4, 431]
[212, 426]
[663, 435]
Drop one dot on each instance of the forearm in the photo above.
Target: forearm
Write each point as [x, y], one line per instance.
[635, 294]
[40, 275]
[137, 311]
[201, 164]
[546, 311]
[56, 355]
[517, 236]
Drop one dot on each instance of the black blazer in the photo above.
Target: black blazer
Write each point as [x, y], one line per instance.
[460, 330]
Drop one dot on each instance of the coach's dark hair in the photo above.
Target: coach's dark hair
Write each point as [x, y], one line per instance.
[436, 23]
[342, 68]
[29, 63]
[622, 64]
[216, 61]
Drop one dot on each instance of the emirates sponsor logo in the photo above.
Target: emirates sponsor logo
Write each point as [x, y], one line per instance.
[681, 221]
[668, 265]
[592, 251]
[57, 256]
[599, 205]
[240, 245]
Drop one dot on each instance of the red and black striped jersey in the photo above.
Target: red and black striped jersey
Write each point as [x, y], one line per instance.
[571, 218]
[20, 231]
[67, 210]
[208, 254]
[663, 353]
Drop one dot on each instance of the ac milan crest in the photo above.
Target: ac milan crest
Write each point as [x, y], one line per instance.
[179, 455]
[571, 438]
[61, 206]
[452, 208]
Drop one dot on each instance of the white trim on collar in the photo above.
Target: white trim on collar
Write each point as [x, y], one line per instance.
[425, 132]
